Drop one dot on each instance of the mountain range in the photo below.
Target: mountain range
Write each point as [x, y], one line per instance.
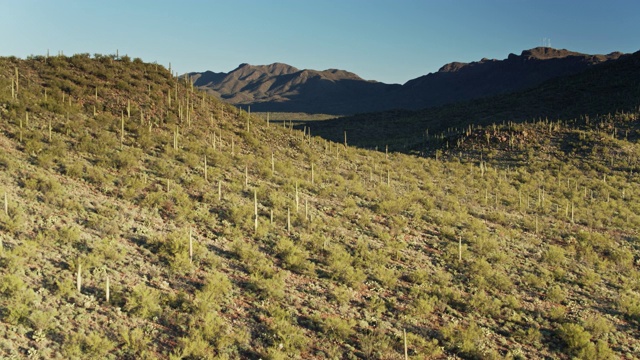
[284, 88]
[609, 88]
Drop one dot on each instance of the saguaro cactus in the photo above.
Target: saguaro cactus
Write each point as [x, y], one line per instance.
[273, 164]
[121, 130]
[79, 278]
[17, 81]
[191, 245]
[297, 199]
[107, 290]
[205, 168]
[572, 212]
[255, 210]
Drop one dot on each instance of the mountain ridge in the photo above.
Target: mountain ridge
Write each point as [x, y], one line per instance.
[284, 88]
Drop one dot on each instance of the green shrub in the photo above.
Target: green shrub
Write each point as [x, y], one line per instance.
[376, 344]
[419, 276]
[174, 249]
[215, 292]
[282, 331]
[269, 286]
[556, 294]
[386, 276]
[531, 336]
[485, 304]
[337, 328]
[293, 257]
[127, 159]
[575, 337]
[73, 168]
[211, 328]
[13, 222]
[422, 306]
[589, 278]
[629, 304]
[92, 346]
[555, 255]
[16, 300]
[557, 312]
[420, 347]
[143, 301]
[135, 341]
[468, 340]
[341, 294]
[340, 264]
[597, 325]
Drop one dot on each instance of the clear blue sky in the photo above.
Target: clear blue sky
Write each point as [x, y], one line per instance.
[390, 41]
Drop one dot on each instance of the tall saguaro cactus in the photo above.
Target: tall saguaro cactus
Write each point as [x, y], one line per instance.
[297, 199]
[79, 278]
[107, 290]
[17, 81]
[190, 245]
[255, 210]
[121, 130]
[205, 168]
[273, 165]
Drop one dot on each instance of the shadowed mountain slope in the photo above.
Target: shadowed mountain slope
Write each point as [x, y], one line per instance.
[608, 87]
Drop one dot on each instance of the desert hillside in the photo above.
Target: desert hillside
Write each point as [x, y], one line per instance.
[145, 219]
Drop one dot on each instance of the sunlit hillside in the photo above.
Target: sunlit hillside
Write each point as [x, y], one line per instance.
[143, 219]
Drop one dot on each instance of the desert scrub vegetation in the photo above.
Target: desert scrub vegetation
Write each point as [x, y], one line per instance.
[491, 250]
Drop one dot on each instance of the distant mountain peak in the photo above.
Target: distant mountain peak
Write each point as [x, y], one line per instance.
[453, 66]
[543, 53]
